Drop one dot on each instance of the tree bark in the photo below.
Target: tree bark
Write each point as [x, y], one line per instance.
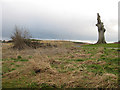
[101, 31]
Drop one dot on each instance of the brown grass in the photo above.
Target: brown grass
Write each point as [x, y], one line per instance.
[43, 58]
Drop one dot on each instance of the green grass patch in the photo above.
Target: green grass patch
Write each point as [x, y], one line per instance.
[102, 45]
[79, 60]
[6, 68]
[54, 65]
[111, 69]
[98, 69]
[32, 85]
[112, 60]
[33, 73]
[12, 63]
[22, 82]
[17, 60]
[19, 57]
[18, 65]
[45, 85]
[30, 57]
[13, 69]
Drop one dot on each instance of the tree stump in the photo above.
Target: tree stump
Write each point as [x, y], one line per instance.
[101, 30]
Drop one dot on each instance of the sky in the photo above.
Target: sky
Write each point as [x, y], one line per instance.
[60, 19]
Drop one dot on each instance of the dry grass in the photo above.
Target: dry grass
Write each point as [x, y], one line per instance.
[64, 66]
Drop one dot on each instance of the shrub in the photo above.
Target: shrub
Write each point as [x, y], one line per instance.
[20, 39]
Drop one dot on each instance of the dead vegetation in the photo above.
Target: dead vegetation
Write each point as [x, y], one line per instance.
[21, 40]
[64, 66]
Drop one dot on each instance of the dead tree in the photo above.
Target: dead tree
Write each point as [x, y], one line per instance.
[101, 30]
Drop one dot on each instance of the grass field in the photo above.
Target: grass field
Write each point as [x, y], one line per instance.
[69, 65]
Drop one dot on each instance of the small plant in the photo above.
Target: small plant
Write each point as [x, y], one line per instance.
[30, 57]
[103, 58]
[12, 63]
[79, 60]
[88, 52]
[48, 56]
[72, 56]
[102, 55]
[75, 64]
[118, 50]
[13, 69]
[45, 85]
[32, 85]
[63, 85]
[20, 38]
[54, 65]
[104, 48]
[19, 57]
[17, 65]
[33, 73]
[23, 60]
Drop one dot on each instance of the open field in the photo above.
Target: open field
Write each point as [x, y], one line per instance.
[69, 65]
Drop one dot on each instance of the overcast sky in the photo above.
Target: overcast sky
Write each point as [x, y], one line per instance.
[61, 19]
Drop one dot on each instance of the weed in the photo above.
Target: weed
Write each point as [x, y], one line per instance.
[54, 65]
[103, 58]
[71, 69]
[63, 85]
[75, 64]
[33, 73]
[23, 60]
[16, 60]
[12, 63]
[32, 85]
[45, 85]
[79, 60]
[19, 57]
[5, 59]
[118, 50]
[102, 55]
[13, 69]
[48, 56]
[62, 71]
[62, 66]
[72, 56]
[30, 57]
[89, 52]
[6, 69]
[104, 48]
[17, 65]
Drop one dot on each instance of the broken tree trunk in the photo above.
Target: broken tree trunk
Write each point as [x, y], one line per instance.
[101, 31]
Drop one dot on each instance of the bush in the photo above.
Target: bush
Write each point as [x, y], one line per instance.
[20, 39]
